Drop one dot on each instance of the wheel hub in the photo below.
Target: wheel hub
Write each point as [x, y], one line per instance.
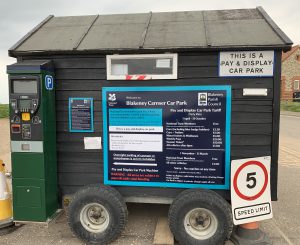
[94, 217]
[200, 220]
[200, 223]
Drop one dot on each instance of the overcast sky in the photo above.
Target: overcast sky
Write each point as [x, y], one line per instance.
[17, 17]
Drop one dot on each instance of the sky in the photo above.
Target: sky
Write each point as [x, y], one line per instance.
[17, 17]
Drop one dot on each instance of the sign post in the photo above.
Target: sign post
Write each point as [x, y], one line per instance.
[250, 190]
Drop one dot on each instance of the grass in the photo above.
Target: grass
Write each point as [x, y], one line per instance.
[3, 111]
[290, 106]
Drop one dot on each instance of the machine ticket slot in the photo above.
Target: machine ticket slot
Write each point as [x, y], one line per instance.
[16, 128]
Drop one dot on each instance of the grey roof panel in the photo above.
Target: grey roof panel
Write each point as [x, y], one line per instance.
[121, 18]
[58, 38]
[186, 16]
[175, 34]
[59, 33]
[69, 21]
[233, 14]
[187, 29]
[241, 33]
[119, 36]
[122, 31]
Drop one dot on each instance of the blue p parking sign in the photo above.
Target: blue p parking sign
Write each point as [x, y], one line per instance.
[49, 82]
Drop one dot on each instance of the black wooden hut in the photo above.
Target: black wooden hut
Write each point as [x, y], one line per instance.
[189, 49]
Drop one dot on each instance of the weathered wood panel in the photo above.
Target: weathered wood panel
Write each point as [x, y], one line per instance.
[84, 76]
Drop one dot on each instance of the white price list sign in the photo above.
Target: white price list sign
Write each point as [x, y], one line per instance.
[250, 190]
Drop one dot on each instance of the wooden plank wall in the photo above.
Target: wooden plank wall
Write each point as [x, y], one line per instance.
[80, 76]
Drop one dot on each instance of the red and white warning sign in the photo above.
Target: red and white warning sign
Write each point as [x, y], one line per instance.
[137, 77]
[250, 190]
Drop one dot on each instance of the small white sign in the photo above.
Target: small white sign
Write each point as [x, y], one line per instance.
[255, 92]
[163, 63]
[246, 64]
[92, 143]
[250, 190]
[134, 129]
[136, 142]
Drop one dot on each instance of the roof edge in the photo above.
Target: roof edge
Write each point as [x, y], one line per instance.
[274, 26]
[17, 54]
[30, 33]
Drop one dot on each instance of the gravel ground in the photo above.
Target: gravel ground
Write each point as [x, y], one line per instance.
[139, 230]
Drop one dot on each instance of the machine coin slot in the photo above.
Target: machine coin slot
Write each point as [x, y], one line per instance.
[15, 128]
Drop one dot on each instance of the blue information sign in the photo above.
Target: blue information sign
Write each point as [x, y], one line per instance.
[81, 117]
[167, 136]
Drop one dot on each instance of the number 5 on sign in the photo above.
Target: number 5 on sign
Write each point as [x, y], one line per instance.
[251, 176]
[250, 190]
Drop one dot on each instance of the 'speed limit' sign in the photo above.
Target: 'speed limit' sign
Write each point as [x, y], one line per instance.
[250, 190]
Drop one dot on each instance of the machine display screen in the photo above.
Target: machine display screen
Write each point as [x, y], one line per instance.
[24, 86]
[24, 104]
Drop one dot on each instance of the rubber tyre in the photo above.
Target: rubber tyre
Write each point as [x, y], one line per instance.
[198, 198]
[108, 197]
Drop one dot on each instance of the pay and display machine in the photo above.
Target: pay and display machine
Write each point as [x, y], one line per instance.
[33, 140]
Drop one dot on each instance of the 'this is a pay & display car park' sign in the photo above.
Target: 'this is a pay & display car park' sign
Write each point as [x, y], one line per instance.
[246, 64]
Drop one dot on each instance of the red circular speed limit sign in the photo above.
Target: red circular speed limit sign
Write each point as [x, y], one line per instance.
[250, 180]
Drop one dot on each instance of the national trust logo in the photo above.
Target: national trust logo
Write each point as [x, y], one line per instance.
[112, 97]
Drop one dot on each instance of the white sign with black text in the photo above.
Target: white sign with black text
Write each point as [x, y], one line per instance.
[250, 190]
[92, 143]
[246, 64]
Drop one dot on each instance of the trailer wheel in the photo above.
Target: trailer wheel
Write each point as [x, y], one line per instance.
[97, 214]
[200, 217]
